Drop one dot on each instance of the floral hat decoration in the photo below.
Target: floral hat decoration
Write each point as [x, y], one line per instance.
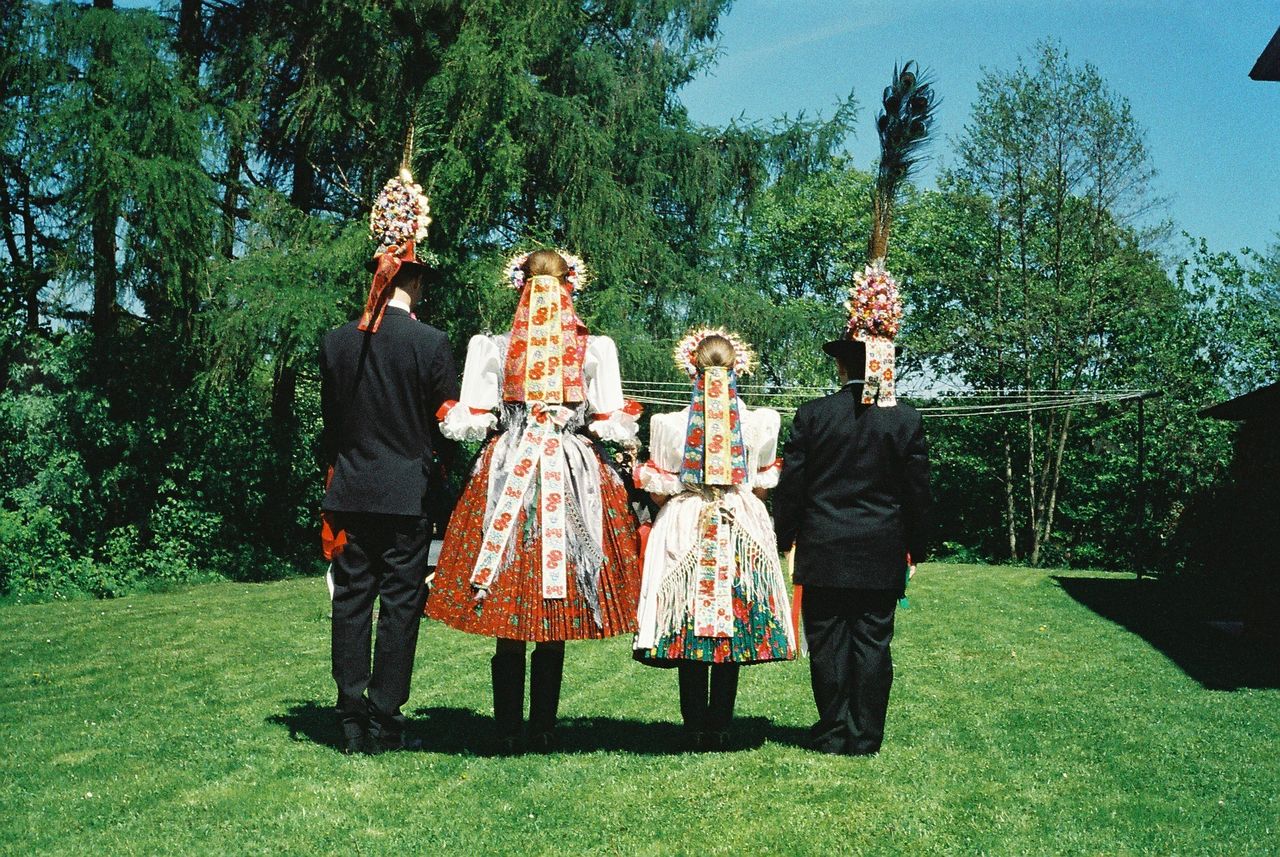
[400, 218]
[577, 278]
[714, 451]
[875, 316]
[875, 308]
[874, 305]
[401, 214]
[744, 361]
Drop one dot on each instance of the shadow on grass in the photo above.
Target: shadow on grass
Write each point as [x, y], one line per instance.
[1217, 660]
[461, 731]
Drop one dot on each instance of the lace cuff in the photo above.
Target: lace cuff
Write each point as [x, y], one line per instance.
[652, 478]
[463, 423]
[620, 426]
[767, 476]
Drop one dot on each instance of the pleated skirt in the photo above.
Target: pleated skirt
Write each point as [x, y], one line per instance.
[515, 608]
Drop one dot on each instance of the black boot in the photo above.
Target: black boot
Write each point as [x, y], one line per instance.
[507, 670]
[724, 692]
[546, 669]
[693, 702]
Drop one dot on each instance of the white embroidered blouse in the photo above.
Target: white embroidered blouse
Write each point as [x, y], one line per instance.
[473, 416]
[660, 474]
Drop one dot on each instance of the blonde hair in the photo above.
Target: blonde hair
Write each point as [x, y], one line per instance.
[714, 350]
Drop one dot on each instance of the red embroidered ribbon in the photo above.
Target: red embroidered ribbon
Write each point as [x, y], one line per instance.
[389, 264]
[332, 539]
[573, 348]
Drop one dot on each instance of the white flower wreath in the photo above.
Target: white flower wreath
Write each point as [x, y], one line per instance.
[577, 277]
[744, 355]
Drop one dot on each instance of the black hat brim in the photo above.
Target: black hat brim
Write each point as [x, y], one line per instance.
[372, 265]
[851, 350]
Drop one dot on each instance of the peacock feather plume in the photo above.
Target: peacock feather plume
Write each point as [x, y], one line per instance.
[906, 114]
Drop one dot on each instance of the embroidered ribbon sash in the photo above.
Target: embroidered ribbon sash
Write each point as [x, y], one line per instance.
[878, 388]
[540, 455]
[543, 379]
[388, 265]
[713, 595]
[548, 344]
[717, 462]
[714, 453]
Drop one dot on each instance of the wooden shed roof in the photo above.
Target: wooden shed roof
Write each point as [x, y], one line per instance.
[1268, 65]
[1263, 402]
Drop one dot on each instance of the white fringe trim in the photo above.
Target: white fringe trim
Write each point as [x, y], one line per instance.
[758, 576]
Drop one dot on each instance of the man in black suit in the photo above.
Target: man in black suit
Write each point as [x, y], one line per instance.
[853, 498]
[382, 380]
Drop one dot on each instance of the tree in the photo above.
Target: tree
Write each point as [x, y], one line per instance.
[1067, 172]
[30, 194]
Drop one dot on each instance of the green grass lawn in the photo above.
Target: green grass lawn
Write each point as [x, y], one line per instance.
[1032, 713]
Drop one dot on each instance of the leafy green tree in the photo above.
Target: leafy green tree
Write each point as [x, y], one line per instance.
[1065, 168]
[1236, 297]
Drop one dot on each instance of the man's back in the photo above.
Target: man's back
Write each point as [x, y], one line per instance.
[379, 394]
[854, 492]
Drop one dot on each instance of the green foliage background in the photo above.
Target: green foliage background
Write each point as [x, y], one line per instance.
[182, 218]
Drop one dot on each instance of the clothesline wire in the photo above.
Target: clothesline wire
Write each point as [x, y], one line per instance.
[992, 393]
[945, 411]
[1010, 404]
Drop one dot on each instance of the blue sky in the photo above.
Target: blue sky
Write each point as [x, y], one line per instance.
[1213, 133]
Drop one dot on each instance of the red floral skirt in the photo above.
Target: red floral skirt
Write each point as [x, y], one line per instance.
[515, 608]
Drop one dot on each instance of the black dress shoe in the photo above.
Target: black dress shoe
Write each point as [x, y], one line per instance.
[356, 745]
[544, 742]
[509, 745]
[408, 743]
[715, 742]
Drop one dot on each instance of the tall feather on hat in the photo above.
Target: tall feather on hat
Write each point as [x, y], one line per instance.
[875, 308]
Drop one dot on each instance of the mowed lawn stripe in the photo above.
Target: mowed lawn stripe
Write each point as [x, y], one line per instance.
[1021, 722]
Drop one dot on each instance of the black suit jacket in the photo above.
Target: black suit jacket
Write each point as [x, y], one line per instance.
[853, 496]
[379, 394]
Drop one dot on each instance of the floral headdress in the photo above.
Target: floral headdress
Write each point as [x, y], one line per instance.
[875, 316]
[577, 278]
[401, 213]
[548, 341]
[400, 218]
[744, 355]
[714, 452]
[875, 308]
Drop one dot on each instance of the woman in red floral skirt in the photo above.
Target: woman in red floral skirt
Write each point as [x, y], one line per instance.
[542, 545]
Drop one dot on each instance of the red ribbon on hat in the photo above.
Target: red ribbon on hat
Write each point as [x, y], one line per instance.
[389, 264]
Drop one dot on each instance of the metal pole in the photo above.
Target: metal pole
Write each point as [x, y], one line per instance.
[1143, 543]
[1141, 536]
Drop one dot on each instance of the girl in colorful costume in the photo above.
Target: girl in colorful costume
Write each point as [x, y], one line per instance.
[542, 545]
[713, 595]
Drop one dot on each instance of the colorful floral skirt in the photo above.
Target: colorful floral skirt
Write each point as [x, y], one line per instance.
[759, 631]
[515, 608]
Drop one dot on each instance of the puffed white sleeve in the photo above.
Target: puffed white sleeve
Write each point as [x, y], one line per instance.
[765, 424]
[660, 473]
[471, 417]
[615, 418]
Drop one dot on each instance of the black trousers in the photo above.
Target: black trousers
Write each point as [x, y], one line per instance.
[848, 631]
[385, 558]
